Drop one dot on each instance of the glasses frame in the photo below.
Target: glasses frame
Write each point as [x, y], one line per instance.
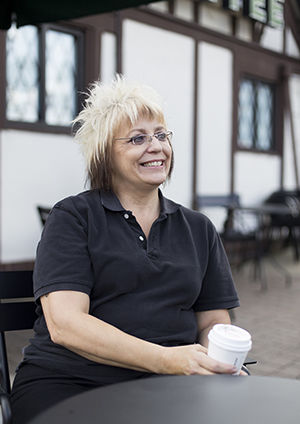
[149, 137]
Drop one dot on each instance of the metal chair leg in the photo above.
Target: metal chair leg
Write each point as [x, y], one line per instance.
[4, 365]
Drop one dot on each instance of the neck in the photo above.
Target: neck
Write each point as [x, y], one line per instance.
[140, 202]
[144, 205]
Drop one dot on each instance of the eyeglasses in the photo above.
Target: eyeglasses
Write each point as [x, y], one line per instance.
[140, 139]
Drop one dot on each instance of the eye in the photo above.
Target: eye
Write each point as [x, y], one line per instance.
[138, 139]
[161, 136]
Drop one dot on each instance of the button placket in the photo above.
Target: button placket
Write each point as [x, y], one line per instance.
[127, 215]
[152, 245]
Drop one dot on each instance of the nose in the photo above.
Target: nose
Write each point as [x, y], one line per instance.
[155, 145]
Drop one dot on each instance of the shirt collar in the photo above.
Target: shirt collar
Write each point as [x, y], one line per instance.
[167, 206]
[110, 201]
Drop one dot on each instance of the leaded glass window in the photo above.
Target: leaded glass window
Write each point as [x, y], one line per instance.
[42, 75]
[256, 115]
[60, 78]
[22, 74]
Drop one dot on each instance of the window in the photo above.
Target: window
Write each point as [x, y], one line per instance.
[256, 115]
[22, 79]
[42, 75]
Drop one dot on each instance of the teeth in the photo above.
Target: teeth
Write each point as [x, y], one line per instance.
[154, 163]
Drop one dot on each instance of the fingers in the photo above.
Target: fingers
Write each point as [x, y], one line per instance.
[212, 365]
[204, 371]
[215, 367]
[200, 348]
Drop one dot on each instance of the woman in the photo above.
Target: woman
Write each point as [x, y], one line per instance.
[127, 282]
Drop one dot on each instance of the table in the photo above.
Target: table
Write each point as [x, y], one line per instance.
[183, 400]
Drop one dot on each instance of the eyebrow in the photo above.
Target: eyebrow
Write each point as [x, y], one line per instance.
[143, 131]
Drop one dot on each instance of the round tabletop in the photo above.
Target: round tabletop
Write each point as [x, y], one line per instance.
[183, 400]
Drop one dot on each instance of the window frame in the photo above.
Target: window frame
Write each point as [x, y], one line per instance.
[41, 125]
[274, 148]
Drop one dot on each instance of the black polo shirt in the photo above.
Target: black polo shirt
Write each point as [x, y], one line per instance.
[150, 288]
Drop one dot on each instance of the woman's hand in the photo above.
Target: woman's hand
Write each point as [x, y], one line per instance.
[192, 359]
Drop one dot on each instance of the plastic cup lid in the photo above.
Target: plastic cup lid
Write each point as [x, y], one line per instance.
[230, 337]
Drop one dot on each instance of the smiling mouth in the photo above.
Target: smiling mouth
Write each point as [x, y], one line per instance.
[154, 163]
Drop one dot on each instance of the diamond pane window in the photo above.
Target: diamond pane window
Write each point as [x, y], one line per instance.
[264, 116]
[256, 115]
[42, 76]
[60, 78]
[22, 74]
[246, 101]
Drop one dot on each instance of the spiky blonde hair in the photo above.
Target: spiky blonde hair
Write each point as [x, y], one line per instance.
[107, 108]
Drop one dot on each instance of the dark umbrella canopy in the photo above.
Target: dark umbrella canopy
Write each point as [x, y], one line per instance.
[37, 11]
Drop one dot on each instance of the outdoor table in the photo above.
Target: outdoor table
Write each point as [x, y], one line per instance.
[183, 400]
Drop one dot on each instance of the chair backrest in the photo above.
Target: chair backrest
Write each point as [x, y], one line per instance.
[43, 213]
[224, 200]
[17, 311]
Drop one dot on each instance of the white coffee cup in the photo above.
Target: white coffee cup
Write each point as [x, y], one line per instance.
[229, 344]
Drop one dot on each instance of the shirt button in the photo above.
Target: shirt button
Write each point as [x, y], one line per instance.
[141, 238]
[126, 216]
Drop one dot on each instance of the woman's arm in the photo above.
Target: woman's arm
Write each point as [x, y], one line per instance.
[70, 325]
[207, 319]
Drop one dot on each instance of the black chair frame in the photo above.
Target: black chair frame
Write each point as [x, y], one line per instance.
[17, 312]
[224, 200]
[43, 213]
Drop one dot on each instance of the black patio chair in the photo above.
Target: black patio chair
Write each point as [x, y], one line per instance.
[240, 242]
[43, 213]
[17, 312]
[244, 234]
[224, 200]
[289, 222]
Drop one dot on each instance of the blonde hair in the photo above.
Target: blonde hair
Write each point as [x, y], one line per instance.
[107, 108]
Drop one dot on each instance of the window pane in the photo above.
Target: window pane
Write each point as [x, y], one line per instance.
[22, 94]
[246, 114]
[264, 114]
[60, 78]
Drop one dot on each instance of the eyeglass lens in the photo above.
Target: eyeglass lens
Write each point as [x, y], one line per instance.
[142, 138]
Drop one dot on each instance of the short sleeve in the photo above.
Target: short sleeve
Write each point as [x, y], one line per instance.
[63, 261]
[218, 290]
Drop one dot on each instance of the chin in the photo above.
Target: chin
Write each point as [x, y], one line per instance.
[154, 180]
[156, 183]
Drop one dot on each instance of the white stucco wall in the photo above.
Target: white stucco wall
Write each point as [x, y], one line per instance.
[292, 48]
[272, 39]
[214, 123]
[215, 18]
[36, 169]
[161, 6]
[184, 9]
[244, 30]
[289, 166]
[289, 179]
[214, 119]
[151, 56]
[295, 105]
[108, 56]
[256, 176]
